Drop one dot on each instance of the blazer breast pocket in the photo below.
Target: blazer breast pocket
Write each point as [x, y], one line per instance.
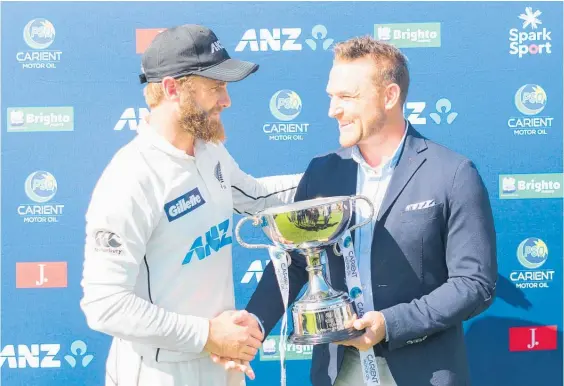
[422, 215]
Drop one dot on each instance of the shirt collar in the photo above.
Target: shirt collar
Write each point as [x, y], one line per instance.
[388, 163]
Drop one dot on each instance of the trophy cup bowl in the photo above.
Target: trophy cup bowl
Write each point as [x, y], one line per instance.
[322, 314]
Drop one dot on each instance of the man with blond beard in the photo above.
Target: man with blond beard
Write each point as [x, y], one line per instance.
[158, 270]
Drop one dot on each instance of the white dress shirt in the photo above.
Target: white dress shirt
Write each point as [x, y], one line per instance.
[372, 182]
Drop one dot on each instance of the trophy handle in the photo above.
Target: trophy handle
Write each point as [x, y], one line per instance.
[240, 240]
[368, 219]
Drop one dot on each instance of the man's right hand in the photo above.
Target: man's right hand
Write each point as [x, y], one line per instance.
[229, 339]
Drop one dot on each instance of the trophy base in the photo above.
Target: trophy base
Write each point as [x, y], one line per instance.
[319, 320]
[328, 337]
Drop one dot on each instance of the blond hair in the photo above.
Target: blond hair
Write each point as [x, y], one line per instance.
[154, 93]
[391, 62]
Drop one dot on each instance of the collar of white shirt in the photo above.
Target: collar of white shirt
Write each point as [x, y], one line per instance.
[150, 134]
[387, 164]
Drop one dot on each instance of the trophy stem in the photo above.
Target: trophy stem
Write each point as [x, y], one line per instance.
[314, 260]
[318, 288]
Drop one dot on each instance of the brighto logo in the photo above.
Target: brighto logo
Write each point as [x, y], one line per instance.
[409, 35]
[537, 186]
[529, 40]
[269, 346]
[40, 187]
[530, 100]
[525, 186]
[271, 350]
[29, 119]
[285, 106]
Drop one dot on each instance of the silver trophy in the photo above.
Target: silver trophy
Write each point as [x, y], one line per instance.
[322, 314]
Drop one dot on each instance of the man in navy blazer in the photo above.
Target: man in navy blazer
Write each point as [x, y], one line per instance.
[427, 260]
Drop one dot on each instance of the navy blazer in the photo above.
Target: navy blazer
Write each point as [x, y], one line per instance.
[433, 262]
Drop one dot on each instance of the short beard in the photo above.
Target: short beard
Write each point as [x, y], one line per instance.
[195, 121]
[378, 126]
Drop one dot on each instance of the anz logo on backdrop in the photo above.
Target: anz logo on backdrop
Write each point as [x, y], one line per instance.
[131, 118]
[284, 39]
[45, 355]
[443, 112]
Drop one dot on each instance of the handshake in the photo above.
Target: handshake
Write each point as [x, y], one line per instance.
[233, 341]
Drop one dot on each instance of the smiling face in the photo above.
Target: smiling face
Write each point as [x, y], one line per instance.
[368, 86]
[194, 104]
[357, 103]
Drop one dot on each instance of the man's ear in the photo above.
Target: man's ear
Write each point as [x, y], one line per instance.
[171, 88]
[392, 94]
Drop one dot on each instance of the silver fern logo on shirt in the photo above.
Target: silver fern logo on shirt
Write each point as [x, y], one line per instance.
[219, 175]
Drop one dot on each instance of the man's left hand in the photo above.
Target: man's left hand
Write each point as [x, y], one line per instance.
[375, 326]
[237, 365]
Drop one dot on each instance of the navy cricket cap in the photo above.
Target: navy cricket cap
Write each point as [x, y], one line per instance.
[191, 50]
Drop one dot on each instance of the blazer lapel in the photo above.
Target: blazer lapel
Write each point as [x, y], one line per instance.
[411, 159]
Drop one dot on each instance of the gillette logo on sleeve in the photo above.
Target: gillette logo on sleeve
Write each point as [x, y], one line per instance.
[183, 204]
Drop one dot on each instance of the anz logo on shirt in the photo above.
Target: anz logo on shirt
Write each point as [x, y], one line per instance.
[215, 239]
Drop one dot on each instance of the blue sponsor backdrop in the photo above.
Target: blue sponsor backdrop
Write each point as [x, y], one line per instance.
[486, 81]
